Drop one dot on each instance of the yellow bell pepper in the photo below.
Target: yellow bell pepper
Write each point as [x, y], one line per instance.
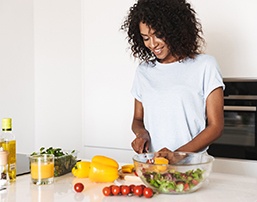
[103, 169]
[105, 160]
[81, 169]
[128, 168]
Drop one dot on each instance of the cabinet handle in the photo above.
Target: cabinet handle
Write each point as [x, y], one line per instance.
[240, 108]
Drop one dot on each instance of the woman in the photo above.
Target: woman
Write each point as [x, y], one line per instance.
[178, 90]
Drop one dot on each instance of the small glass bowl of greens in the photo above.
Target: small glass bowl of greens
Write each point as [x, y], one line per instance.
[185, 174]
[64, 160]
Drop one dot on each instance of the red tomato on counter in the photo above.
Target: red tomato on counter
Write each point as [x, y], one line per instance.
[147, 192]
[124, 189]
[131, 188]
[107, 191]
[78, 187]
[138, 190]
[115, 190]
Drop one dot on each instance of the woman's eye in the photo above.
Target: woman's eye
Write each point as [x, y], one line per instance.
[145, 38]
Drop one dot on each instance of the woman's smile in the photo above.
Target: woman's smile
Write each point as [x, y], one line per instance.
[157, 45]
[157, 51]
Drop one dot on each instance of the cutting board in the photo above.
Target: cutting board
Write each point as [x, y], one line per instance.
[129, 177]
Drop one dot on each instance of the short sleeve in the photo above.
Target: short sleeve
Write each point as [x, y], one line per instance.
[212, 78]
[136, 90]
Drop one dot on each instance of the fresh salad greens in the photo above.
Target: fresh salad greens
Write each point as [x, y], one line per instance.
[55, 151]
[63, 161]
[173, 181]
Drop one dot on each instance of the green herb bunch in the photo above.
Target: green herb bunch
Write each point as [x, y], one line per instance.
[55, 151]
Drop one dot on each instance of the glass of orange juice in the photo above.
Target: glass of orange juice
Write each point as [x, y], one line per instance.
[42, 169]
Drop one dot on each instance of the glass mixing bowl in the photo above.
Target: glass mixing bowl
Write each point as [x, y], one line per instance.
[186, 174]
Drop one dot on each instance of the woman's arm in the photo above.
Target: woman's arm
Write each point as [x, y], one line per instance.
[142, 141]
[214, 110]
[215, 117]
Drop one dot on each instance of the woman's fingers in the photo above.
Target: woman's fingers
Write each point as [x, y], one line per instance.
[139, 145]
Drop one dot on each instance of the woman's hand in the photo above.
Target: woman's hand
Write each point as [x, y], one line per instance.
[171, 156]
[141, 143]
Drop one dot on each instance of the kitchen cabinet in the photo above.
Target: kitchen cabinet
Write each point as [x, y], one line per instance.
[109, 71]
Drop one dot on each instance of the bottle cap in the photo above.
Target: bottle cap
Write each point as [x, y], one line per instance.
[6, 123]
[3, 157]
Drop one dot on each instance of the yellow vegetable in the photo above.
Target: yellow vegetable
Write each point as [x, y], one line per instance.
[161, 160]
[128, 168]
[81, 169]
[105, 160]
[103, 169]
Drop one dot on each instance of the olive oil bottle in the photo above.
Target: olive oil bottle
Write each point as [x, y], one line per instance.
[8, 143]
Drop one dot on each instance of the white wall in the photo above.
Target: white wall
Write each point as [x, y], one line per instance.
[230, 30]
[58, 73]
[17, 69]
[42, 72]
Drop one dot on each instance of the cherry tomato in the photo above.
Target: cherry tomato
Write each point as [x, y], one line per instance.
[148, 192]
[138, 190]
[78, 187]
[131, 188]
[115, 190]
[107, 191]
[124, 189]
[143, 186]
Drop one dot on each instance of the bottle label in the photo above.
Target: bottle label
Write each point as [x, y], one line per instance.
[12, 166]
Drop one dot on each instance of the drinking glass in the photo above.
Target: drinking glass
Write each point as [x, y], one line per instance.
[42, 169]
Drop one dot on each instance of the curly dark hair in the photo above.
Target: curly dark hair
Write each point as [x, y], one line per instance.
[174, 21]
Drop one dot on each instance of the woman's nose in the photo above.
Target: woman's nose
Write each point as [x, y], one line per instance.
[153, 43]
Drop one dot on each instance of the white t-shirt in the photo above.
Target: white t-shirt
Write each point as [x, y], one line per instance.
[174, 98]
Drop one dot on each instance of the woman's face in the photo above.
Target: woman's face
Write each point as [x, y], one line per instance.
[155, 44]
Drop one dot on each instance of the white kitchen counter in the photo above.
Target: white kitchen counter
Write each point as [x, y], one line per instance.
[221, 187]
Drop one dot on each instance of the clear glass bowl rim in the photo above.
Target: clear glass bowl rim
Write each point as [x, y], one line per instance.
[209, 160]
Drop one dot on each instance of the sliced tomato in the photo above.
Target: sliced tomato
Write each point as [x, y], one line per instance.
[186, 187]
[195, 182]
